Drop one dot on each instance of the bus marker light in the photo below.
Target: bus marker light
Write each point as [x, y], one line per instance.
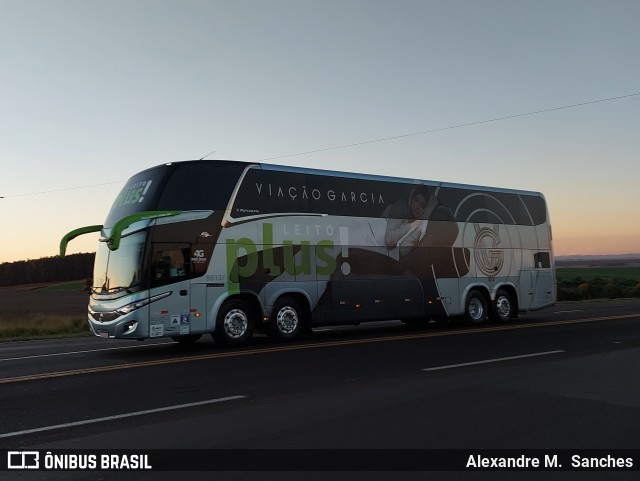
[130, 327]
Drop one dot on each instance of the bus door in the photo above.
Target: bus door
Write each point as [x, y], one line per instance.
[170, 272]
[537, 285]
[545, 280]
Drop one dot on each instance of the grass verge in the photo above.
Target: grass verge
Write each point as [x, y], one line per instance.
[42, 326]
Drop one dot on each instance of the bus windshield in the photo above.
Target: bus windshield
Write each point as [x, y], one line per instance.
[119, 270]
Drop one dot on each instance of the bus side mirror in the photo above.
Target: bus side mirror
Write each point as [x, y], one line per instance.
[75, 233]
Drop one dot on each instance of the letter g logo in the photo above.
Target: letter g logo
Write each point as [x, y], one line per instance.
[487, 252]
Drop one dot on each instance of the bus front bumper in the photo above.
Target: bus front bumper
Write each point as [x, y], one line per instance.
[128, 326]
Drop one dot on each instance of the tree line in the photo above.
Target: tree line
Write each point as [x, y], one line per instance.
[579, 289]
[47, 269]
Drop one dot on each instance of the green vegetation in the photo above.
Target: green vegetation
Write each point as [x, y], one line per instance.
[46, 270]
[41, 326]
[38, 312]
[582, 283]
[68, 286]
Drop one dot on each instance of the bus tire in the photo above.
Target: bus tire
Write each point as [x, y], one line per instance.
[235, 323]
[287, 319]
[475, 310]
[502, 308]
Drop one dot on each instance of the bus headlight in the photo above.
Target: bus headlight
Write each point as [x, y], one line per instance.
[138, 304]
[132, 307]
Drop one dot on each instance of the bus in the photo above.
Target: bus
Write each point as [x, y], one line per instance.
[230, 248]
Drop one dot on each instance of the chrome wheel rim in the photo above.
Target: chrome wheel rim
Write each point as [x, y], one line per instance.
[476, 309]
[287, 320]
[235, 324]
[503, 307]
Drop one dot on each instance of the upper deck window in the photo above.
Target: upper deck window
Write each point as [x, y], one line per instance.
[197, 185]
[140, 193]
[200, 186]
[271, 192]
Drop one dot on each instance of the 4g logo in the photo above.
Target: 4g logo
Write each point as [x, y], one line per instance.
[199, 256]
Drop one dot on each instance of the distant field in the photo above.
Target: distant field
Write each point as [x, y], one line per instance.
[605, 273]
[66, 286]
[28, 312]
[580, 283]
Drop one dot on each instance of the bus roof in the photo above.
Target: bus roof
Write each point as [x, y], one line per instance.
[361, 176]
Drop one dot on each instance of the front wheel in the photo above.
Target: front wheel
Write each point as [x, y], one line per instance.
[235, 323]
[475, 308]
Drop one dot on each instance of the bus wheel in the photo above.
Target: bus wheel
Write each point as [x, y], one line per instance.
[188, 339]
[287, 319]
[502, 307]
[235, 323]
[475, 310]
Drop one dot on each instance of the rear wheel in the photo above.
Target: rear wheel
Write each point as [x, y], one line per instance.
[235, 323]
[475, 308]
[502, 309]
[287, 319]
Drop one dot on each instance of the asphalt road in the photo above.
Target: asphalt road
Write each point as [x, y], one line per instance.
[563, 378]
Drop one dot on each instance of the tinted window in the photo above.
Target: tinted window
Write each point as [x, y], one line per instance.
[472, 205]
[140, 193]
[169, 263]
[197, 185]
[200, 186]
[266, 192]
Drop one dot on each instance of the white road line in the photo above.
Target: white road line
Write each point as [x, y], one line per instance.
[121, 416]
[37, 356]
[487, 361]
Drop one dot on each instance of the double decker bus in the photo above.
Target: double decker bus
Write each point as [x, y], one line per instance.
[227, 248]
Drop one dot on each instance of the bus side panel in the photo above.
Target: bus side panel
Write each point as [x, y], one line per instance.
[370, 285]
[497, 254]
[196, 322]
[349, 278]
[167, 315]
[291, 269]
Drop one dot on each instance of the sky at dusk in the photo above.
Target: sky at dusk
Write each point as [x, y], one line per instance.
[94, 91]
